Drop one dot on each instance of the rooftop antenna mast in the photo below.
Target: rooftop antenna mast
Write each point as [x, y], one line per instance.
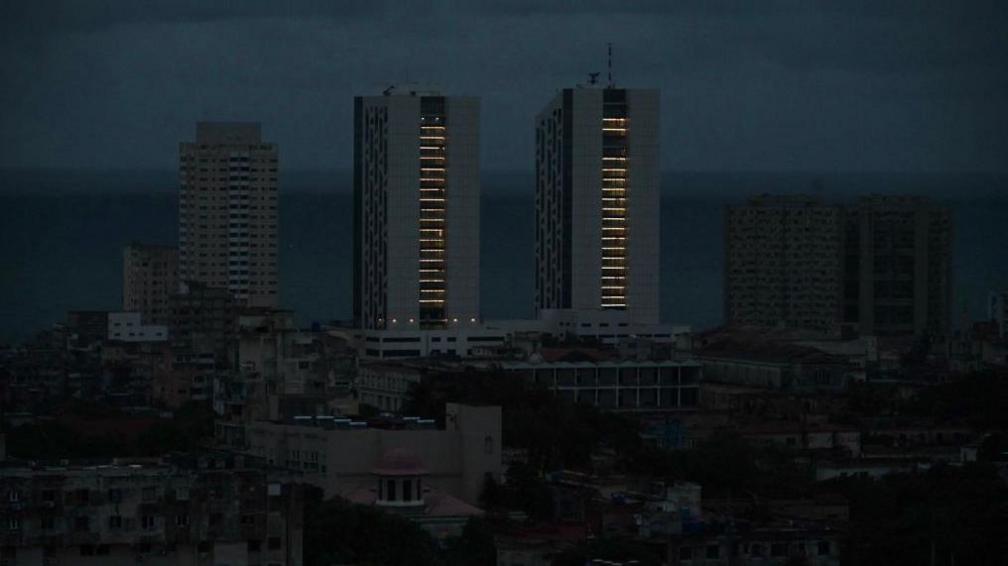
[611, 85]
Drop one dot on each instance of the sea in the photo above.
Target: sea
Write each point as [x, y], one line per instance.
[62, 233]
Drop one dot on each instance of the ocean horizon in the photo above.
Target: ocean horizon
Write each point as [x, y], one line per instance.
[62, 232]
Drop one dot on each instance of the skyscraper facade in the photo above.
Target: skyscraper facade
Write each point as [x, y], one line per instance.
[597, 202]
[900, 281]
[880, 267]
[783, 263]
[416, 210]
[228, 211]
[150, 278]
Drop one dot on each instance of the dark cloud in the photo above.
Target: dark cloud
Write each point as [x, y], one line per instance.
[746, 85]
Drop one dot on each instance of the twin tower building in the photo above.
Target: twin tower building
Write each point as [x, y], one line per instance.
[417, 208]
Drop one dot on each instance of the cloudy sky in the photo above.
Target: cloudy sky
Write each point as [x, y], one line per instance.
[852, 85]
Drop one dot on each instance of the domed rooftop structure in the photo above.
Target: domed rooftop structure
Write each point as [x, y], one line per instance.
[400, 462]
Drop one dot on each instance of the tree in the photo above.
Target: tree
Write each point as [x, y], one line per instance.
[475, 546]
[339, 532]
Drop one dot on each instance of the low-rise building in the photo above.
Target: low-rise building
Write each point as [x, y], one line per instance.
[617, 385]
[339, 455]
[130, 327]
[743, 358]
[385, 385]
[207, 509]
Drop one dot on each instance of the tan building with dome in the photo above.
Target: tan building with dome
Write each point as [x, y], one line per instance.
[344, 457]
[399, 485]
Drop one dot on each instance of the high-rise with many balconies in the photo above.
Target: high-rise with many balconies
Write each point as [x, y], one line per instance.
[783, 263]
[228, 211]
[597, 203]
[416, 211]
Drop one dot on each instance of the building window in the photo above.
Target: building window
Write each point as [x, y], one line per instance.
[685, 553]
[713, 552]
[273, 543]
[147, 522]
[81, 523]
[390, 490]
[115, 522]
[823, 548]
[407, 490]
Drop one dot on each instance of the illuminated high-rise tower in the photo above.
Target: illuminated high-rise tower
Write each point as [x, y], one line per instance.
[597, 202]
[416, 211]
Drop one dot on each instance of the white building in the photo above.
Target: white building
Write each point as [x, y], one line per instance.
[416, 210]
[228, 211]
[597, 202]
[456, 340]
[129, 327]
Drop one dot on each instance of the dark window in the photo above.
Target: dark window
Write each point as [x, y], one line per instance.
[115, 522]
[713, 552]
[407, 490]
[254, 545]
[273, 543]
[824, 548]
[685, 553]
[390, 490]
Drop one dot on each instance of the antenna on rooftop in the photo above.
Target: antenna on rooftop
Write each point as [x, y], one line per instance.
[593, 78]
[611, 85]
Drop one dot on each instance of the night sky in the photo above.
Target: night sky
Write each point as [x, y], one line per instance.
[814, 86]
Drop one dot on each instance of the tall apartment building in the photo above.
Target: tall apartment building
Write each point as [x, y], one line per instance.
[783, 263]
[228, 211]
[416, 211]
[879, 267]
[597, 202]
[900, 281]
[997, 311]
[150, 277]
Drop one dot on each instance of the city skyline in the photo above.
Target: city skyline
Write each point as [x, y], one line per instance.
[503, 282]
